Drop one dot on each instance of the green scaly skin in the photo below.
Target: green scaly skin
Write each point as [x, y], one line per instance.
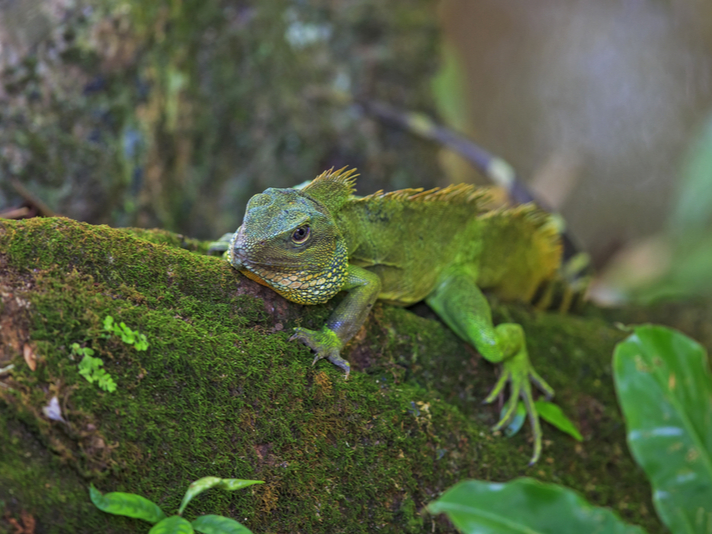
[443, 246]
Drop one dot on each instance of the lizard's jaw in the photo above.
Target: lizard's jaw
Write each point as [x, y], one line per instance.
[238, 259]
[302, 284]
[235, 251]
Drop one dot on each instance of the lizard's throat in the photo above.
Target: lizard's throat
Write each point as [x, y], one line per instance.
[309, 285]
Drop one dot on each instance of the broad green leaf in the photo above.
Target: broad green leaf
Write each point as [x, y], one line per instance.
[172, 525]
[552, 414]
[202, 484]
[218, 524]
[127, 504]
[525, 506]
[665, 390]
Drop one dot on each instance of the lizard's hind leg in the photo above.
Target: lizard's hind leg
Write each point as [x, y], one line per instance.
[462, 306]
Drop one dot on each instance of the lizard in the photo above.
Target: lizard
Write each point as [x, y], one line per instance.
[444, 246]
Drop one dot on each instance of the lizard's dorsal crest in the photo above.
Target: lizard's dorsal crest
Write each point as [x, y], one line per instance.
[332, 188]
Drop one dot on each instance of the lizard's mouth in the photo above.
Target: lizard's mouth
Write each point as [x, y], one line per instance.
[239, 260]
[236, 251]
[239, 256]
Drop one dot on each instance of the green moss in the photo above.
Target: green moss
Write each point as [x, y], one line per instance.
[222, 392]
[164, 237]
[44, 486]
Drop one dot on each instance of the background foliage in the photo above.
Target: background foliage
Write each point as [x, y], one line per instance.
[171, 114]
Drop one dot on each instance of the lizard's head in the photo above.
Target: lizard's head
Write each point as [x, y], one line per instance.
[289, 241]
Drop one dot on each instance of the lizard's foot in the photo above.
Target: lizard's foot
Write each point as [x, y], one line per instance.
[325, 343]
[518, 371]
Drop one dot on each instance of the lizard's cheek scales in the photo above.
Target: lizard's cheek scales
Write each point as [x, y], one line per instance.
[311, 285]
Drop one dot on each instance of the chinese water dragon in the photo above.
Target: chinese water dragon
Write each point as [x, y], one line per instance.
[444, 246]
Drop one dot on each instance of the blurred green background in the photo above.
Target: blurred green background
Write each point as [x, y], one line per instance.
[173, 113]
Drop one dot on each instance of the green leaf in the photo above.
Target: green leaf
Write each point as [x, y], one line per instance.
[549, 412]
[552, 414]
[202, 484]
[141, 342]
[232, 484]
[109, 323]
[196, 488]
[218, 524]
[88, 367]
[127, 504]
[172, 525]
[520, 415]
[525, 506]
[128, 336]
[664, 387]
[105, 381]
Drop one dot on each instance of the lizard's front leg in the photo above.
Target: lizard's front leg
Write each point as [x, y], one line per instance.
[459, 302]
[363, 287]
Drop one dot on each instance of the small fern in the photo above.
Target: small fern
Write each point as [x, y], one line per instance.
[90, 368]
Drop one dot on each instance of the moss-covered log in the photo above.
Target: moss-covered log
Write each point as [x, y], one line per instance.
[220, 391]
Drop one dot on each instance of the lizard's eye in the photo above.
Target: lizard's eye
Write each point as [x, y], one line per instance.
[301, 234]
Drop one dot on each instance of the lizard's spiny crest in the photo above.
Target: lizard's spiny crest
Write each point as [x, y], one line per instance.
[332, 188]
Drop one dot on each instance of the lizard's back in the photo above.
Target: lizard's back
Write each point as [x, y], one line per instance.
[409, 237]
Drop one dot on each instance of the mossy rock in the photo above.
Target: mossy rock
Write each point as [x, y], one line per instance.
[222, 392]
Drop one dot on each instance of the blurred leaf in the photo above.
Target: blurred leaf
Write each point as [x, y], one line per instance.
[552, 414]
[217, 524]
[172, 525]
[448, 88]
[524, 506]
[689, 273]
[692, 212]
[127, 504]
[679, 265]
[665, 390]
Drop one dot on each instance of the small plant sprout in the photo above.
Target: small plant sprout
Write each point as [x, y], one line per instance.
[128, 336]
[132, 505]
[90, 368]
